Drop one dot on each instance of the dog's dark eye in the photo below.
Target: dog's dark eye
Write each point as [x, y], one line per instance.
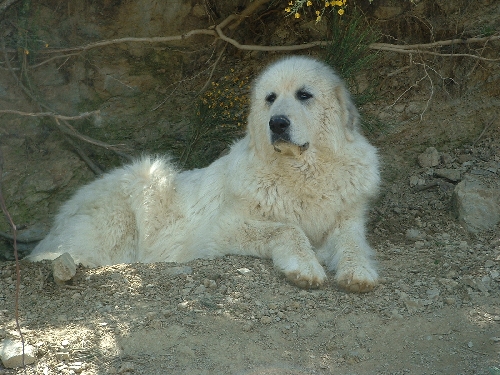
[303, 95]
[271, 98]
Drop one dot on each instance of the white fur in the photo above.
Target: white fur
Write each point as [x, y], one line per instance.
[295, 205]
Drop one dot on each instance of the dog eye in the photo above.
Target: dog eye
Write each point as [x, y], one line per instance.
[303, 95]
[271, 98]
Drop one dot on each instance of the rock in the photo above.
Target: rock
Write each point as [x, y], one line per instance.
[449, 174]
[414, 234]
[11, 354]
[63, 268]
[126, 367]
[244, 271]
[429, 158]
[416, 181]
[477, 207]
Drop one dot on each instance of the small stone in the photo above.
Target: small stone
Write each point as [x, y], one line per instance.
[449, 301]
[248, 326]
[449, 174]
[266, 319]
[62, 356]
[494, 274]
[210, 284]
[416, 181]
[244, 271]
[429, 158]
[11, 354]
[414, 234]
[489, 263]
[126, 367]
[470, 344]
[65, 343]
[63, 268]
[433, 293]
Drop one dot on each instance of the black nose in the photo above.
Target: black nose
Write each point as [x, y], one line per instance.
[279, 124]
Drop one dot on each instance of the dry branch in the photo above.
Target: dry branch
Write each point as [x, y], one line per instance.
[50, 114]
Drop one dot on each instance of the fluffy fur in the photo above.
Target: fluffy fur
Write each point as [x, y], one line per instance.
[294, 189]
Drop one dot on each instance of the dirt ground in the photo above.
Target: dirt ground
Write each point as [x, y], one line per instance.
[436, 310]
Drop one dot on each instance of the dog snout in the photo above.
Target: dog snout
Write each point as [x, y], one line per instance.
[279, 124]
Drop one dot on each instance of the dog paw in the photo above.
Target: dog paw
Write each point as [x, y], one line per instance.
[307, 276]
[358, 279]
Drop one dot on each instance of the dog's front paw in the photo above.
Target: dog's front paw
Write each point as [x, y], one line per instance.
[357, 278]
[306, 275]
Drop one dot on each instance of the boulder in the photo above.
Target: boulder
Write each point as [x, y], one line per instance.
[476, 206]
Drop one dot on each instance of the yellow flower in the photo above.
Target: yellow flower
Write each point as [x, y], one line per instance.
[340, 11]
[318, 18]
[309, 3]
[288, 10]
[297, 15]
[318, 12]
[290, 3]
[327, 4]
[26, 52]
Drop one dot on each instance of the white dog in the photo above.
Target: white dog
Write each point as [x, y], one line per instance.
[295, 189]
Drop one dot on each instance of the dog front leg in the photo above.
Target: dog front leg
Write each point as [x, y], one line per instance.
[286, 245]
[347, 252]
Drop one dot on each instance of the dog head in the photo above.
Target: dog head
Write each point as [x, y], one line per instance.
[299, 105]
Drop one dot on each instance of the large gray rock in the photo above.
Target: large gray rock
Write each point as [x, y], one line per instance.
[477, 207]
[11, 353]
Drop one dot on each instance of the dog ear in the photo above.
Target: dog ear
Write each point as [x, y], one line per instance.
[350, 114]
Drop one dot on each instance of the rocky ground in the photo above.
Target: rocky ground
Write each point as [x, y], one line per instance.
[435, 312]
[434, 226]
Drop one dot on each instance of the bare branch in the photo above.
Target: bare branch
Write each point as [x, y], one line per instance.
[51, 114]
[383, 46]
[159, 39]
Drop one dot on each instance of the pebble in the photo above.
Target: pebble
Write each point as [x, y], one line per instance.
[266, 319]
[429, 158]
[414, 234]
[244, 271]
[126, 367]
[489, 263]
[449, 174]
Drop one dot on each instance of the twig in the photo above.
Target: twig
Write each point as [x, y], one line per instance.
[212, 71]
[98, 171]
[51, 114]
[484, 130]
[440, 43]
[158, 39]
[18, 271]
